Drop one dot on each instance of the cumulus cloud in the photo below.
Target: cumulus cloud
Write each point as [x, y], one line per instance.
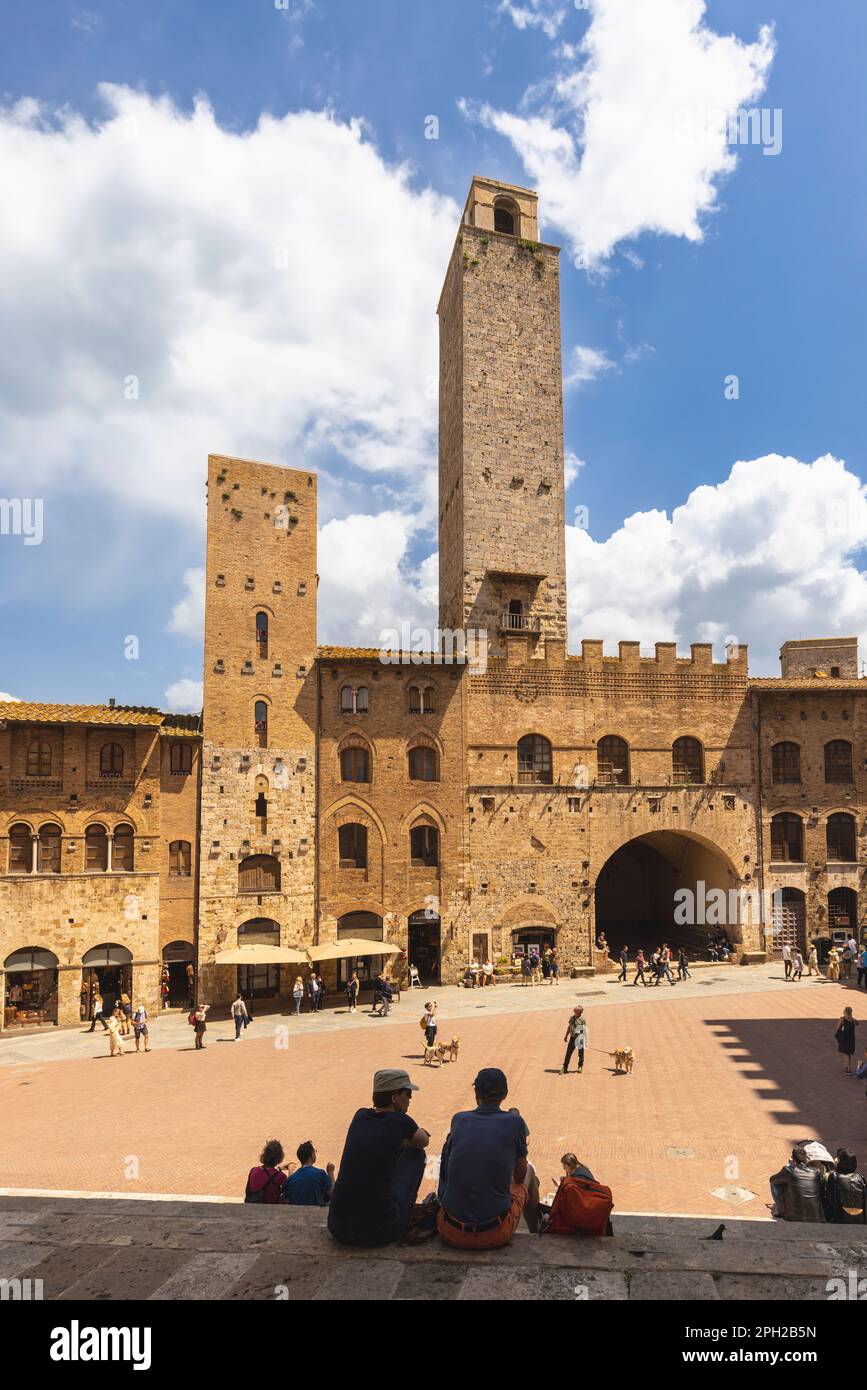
[766, 555]
[185, 696]
[240, 292]
[630, 135]
[5, 696]
[370, 581]
[188, 614]
[586, 364]
[536, 14]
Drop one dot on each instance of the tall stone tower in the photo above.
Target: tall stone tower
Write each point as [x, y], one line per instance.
[502, 539]
[258, 810]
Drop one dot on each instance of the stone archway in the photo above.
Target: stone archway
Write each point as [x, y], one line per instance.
[667, 886]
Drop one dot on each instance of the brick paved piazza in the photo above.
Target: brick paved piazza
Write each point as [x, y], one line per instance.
[734, 1062]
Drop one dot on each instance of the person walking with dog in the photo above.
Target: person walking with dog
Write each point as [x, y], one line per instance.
[429, 1024]
[575, 1038]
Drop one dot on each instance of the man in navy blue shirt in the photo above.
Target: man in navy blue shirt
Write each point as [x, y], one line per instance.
[309, 1186]
[485, 1179]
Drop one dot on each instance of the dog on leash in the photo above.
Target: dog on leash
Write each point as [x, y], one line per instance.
[432, 1054]
[624, 1059]
[449, 1051]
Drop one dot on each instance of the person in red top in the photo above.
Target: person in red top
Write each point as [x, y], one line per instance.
[265, 1183]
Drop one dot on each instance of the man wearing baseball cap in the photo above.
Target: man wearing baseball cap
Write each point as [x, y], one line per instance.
[485, 1179]
[382, 1166]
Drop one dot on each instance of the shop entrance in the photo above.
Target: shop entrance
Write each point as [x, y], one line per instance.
[424, 946]
[532, 941]
[178, 960]
[107, 970]
[31, 988]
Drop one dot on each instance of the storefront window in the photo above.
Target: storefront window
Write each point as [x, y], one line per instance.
[31, 988]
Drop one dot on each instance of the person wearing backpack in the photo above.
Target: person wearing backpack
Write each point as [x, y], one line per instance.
[845, 1192]
[582, 1206]
[429, 1024]
[265, 1184]
[575, 1038]
[140, 1028]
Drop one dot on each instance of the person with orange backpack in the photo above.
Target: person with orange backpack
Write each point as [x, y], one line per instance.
[582, 1206]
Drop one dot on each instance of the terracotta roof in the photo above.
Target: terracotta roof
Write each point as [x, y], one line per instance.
[25, 711]
[823, 684]
[368, 654]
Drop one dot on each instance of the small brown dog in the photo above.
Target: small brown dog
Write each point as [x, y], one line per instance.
[432, 1053]
[624, 1059]
[448, 1052]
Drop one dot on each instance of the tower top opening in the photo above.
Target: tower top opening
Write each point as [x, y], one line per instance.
[493, 206]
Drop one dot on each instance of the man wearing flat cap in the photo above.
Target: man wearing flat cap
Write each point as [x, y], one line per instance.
[485, 1179]
[382, 1166]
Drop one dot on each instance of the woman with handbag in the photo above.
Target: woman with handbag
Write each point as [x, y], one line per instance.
[845, 1036]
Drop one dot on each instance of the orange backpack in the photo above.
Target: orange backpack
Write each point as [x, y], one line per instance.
[581, 1207]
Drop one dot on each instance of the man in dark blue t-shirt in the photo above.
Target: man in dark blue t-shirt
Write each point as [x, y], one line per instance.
[309, 1186]
[381, 1168]
[485, 1179]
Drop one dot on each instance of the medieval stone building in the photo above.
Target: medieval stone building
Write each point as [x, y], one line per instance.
[468, 801]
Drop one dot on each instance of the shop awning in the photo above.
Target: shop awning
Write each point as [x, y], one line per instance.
[260, 955]
[30, 959]
[106, 955]
[352, 946]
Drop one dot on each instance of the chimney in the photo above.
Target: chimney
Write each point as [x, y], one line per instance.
[111, 702]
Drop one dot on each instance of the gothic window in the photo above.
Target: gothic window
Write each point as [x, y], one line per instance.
[785, 762]
[352, 846]
[354, 764]
[180, 859]
[787, 838]
[424, 846]
[612, 761]
[687, 760]
[353, 700]
[838, 761]
[260, 723]
[262, 635]
[534, 759]
[840, 837]
[423, 764]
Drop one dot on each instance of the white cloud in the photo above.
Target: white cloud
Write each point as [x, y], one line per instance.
[537, 14]
[586, 364]
[369, 582]
[627, 140]
[188, 614]
[185, 696]
[256, 285]
[572, 466]
[766, 555]
[5, 696]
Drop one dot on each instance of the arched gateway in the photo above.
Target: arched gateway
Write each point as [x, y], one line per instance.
[669, 886]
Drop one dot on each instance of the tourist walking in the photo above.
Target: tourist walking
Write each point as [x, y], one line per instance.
[314, 986]
[554, 965]
[526, 969]
[114, 1044]
[846, 957]
[387, 995]
[640, 964]
[787, 961]
[297, 994]
[845, 1036]
[575, 1038]
[833, 964]
[663, 967]
[862, 969]
[199, 1018]
[797, 964]
[352, 989]
[239, 1014]
[98, 1016]
[429, 1023]
[683, 965]
[309, 1186]
[381, 1167]
[624, 961]
[125, 1006]
[812, 960]
[140, 1028]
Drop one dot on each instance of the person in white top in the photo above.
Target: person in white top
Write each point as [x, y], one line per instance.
[787, 961]
[114, 1044]
[239, 1013]
[488, 973]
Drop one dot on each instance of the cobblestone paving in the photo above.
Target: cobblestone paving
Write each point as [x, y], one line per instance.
[732, 1067]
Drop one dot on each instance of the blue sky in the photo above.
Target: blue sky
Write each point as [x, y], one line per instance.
[123, 264]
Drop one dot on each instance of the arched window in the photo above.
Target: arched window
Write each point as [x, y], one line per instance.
[259, 873]
[122, 850]
[429, 700]
[423, 764]
[843, 909]
[840, 837]
[259, 981]
[353, 700]
[424, 846]
[838, 761]
[612, 761]
[181, 759]
[20, 849]
[48, 850]
[354, 764]
[416, 702]
[111, 760]
[786, 762]
[180, 859]
[687, 760]
[39, 758]
[262, 813]
[534, 759]
[96, 849]
[352, 846]
[260, 723]
[504, 216]
[787, 838]
[361, 700]
[422, 699]
[259, 931]
[262, 635]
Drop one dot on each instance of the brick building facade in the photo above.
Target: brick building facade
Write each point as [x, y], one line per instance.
[451, 807]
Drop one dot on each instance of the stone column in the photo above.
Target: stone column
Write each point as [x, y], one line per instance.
[68, 998]
[110, 838]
